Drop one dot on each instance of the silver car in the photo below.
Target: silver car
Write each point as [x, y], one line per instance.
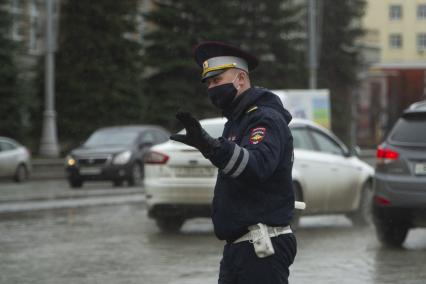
[400, 179]
[15, 160]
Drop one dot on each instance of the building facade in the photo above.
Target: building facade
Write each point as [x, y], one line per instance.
[398, 28]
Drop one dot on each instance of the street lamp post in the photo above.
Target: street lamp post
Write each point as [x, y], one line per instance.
[312, 32]
[49, 141]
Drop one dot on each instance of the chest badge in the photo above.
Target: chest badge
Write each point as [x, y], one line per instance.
[257, 135]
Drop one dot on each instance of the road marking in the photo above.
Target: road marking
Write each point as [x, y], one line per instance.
[70, 203]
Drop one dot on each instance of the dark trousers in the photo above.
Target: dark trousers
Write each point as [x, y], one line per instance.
[240, 264]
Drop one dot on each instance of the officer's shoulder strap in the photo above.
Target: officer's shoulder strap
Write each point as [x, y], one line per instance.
[251, 109]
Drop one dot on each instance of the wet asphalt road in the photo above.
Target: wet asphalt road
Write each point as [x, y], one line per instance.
[117, 243]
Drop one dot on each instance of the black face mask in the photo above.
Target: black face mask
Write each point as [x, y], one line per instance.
[223, 95]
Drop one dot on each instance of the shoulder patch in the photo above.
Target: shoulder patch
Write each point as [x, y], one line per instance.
[251, 109]
[257, 135]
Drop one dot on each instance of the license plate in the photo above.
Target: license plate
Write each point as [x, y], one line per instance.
[195, 172]
[420, 169]
[90, 171]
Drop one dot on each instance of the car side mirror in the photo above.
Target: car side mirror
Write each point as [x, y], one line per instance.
[355, 151]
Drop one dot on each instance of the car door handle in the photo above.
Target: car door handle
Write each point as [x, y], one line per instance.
[334, 169]
[304, 165]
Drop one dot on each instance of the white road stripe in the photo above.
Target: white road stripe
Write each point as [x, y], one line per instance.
[69, 203]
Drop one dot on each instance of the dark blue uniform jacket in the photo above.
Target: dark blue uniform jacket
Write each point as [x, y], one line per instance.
[255, 160]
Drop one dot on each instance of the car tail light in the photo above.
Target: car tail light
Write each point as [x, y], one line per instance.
[154, 157]
[385, 155]
[381, 200]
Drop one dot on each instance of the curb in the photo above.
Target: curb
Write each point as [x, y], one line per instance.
[26, 206]
[48, 169]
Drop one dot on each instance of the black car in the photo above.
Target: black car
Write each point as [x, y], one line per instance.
[113, 153]
[400, 178]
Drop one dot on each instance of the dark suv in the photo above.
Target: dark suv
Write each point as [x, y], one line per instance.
[113, 153]
[400, 178]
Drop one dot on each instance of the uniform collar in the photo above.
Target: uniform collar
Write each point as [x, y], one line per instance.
[241, 103]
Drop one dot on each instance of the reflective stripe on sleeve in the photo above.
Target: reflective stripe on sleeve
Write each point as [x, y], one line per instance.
[243, 163]
[233, 160]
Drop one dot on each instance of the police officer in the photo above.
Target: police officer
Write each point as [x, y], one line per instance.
[253, 192]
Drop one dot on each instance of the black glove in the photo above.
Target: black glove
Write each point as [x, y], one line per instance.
[195, 135]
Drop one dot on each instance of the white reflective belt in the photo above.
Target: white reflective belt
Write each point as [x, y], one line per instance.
[272, 231]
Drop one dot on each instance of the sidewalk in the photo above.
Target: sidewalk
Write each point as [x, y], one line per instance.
[45, 168]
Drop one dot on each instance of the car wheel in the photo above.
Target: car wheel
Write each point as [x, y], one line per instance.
[117, 182]
[391, 234]
[169, 224]
[75, 182]
[136, 175]
[362, 216]
[21, 173]
[298, 197]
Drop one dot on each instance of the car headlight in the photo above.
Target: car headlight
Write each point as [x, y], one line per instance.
[122, 158]
[70, 161]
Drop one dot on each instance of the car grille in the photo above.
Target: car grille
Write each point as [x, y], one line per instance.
[92, 161]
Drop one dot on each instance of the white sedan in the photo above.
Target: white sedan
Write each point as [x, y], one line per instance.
[179, 181]
[15, 160]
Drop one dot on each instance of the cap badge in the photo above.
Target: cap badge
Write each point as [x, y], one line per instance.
[206, 64]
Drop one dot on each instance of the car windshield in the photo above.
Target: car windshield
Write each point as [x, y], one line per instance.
[410, 130]
[111, 137]
[214, 130]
